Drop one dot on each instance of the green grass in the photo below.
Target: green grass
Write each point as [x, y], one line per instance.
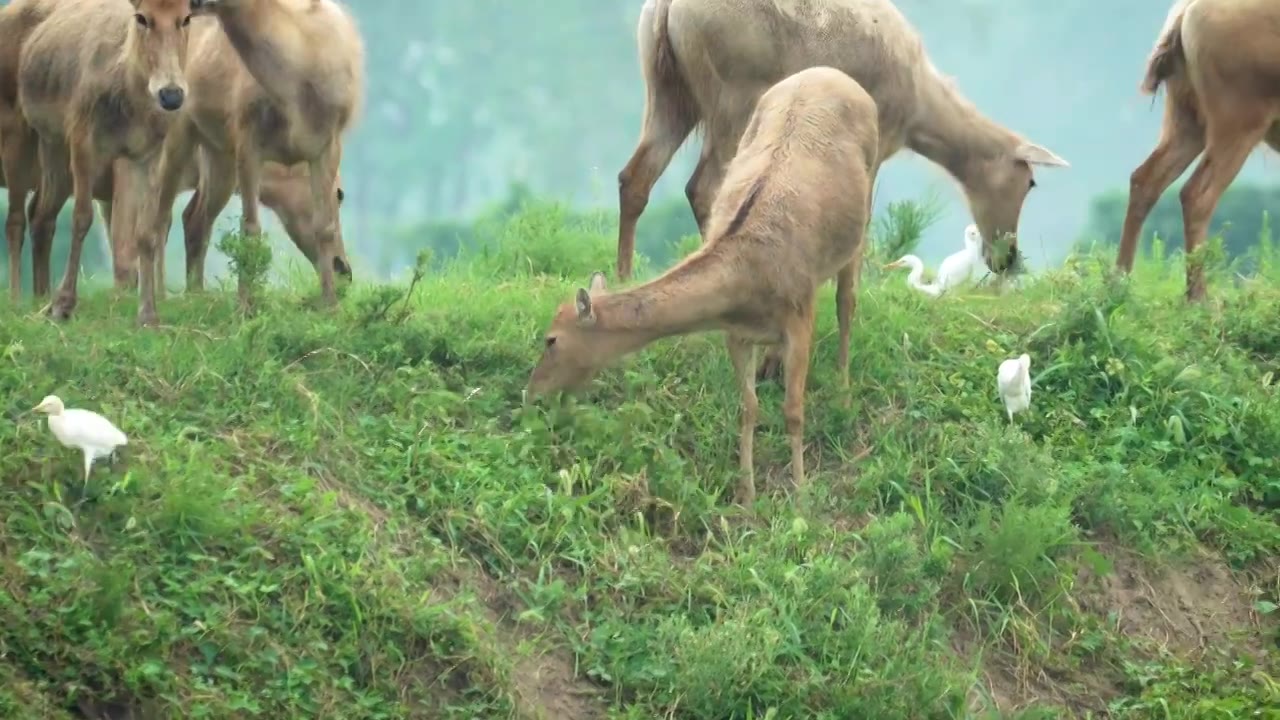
[348, 513]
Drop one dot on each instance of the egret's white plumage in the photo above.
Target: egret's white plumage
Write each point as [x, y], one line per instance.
[957, 268]
[86, 430]
[914, 278]
[1014, 383]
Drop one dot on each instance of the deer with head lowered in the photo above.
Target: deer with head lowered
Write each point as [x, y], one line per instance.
[286, 191]
[792, 213]
[97, 96]
[705, 62]
[272, 80]
[1219, 61]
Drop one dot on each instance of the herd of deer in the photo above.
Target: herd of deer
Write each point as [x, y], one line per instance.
[799, 102]
[131, 101]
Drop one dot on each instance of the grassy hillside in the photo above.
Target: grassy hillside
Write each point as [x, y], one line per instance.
[349, 514]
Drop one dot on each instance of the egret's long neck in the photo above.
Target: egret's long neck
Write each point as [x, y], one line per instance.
[916, 277]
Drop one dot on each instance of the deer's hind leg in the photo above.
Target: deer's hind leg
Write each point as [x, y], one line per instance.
[797, 346]
[727, 125]
[154, 212]
[1230, 138]
[214, 189]
[846, 304]
[85, 167]
[669, 117]
[743, 356]
[664, 129]
[770, 367]
[1181, 140]
[16, 160]
[55, 188]
[324, 219]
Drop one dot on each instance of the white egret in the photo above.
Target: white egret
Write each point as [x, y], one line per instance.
[957, 268]
[916, 274]
[1013, 380]
[93, 434]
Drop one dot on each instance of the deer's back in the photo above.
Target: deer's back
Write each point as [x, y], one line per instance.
[1234, 41]
[796, 197]
[759, 42]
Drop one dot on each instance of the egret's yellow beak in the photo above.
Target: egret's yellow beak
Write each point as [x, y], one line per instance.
[892, 265]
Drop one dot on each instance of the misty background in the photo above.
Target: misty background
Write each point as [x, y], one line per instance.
[465, 99]
[467, 103]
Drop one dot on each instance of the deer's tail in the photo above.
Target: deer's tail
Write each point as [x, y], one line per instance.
[1168, 55]
[666, 70]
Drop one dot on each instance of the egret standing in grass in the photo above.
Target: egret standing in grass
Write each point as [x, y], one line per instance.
[915, 278]
[1014, 382]
[957, 268]
[93, 434]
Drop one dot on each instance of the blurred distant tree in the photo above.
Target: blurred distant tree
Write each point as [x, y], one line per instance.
[93, 259]
[1239, 218]
[669, 221]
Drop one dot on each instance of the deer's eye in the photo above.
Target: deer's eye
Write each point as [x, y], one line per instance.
[141, 20]
[551, 340]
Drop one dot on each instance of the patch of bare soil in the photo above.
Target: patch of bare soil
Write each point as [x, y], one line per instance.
[1010, 684]
[546, 683]
[1188, 610]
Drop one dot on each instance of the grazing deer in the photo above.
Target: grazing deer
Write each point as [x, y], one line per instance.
[792, 213]
[286, 191]
[1219, 61]
[94, 97]
[274, 80]
[705, 62]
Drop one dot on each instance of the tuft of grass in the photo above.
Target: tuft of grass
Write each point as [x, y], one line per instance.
[350, 513]
[250, 260]
[899, 229]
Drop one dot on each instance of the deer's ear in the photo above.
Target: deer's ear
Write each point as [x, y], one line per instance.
[597, 283]
[585, 312]
[1034, 154]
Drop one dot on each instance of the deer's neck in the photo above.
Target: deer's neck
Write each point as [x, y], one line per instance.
[952, 132]
[696, 295]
